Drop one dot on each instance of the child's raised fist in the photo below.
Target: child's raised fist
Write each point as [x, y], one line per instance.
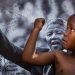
[39, 22]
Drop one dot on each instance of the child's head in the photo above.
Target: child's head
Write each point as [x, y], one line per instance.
[69, 36]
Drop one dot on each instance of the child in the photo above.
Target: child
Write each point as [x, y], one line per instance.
[64, 62]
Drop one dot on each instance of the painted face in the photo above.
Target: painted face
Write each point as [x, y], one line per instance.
[54, 36]
[69, 36]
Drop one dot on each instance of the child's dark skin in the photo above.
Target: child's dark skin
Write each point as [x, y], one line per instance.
[64, 62]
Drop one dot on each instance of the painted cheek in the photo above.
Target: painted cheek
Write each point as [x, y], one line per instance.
[61, 36]
[48, 38]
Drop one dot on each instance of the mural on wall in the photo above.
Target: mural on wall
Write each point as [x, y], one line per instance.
[16, 22]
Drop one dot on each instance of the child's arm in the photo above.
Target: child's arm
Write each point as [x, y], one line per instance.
[28, 55]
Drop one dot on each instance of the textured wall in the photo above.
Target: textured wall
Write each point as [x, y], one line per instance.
[17, 17]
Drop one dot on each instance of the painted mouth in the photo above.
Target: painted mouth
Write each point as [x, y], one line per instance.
[54, 47]
[55, 43]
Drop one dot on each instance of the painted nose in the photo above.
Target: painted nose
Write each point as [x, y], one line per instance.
[53, 35]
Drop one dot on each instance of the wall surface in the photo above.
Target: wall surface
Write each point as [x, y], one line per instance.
[17, 18]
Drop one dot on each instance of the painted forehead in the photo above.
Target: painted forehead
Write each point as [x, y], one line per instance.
[56, 23]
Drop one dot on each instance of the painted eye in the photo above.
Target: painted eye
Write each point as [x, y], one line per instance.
[59, 32]
[49, 34]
